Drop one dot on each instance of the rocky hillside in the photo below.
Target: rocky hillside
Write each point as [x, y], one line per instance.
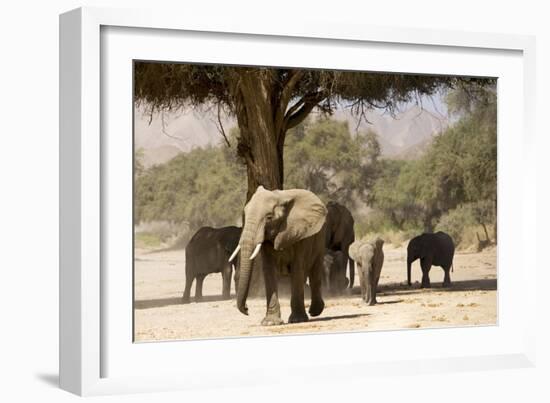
[405, 135]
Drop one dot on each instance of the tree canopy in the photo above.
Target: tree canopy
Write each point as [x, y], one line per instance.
[267, 102]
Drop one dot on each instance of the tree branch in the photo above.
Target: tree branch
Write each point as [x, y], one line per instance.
[298, 117]
[285, 97]
[220, 126]
[295, 107]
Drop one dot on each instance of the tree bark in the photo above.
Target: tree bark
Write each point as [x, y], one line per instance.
[259, 142]
[264, 116]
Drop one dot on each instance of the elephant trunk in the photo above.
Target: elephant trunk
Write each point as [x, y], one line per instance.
[245, 265]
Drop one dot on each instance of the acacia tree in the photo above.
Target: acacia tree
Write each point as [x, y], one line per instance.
[267, 102]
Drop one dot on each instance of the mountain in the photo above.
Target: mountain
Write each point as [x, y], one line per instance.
[404, 136]
[165, 136]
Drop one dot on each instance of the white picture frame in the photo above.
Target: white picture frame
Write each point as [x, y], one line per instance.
[88, 346]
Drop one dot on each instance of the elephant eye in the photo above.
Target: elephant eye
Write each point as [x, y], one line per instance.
[269, 217]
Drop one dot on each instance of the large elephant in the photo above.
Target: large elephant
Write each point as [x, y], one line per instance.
[369, 257]
[340, 233]
[208, 252]
[432, 249]
[289, 228]
[334, 271]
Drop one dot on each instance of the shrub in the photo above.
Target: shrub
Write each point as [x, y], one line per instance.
[455, 222]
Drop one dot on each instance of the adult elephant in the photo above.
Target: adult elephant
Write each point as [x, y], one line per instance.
[340, 234]
[369, 257]
[208, 252]
[432, 249]
[289, 228]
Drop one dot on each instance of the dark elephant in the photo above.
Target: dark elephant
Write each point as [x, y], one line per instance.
[432, 249]
[334, 272]
[207, 252]
[369, 257]
[340, 233]
[289, 228]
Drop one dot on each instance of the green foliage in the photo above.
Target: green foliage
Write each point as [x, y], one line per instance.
[207, 186]
[268, 102]
[454, 184]
[455, 221]
[147, 240]
[393, 194]
[325, 158]
[203, 187]
[138, 162]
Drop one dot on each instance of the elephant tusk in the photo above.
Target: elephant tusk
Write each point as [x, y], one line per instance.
[256, 251]
[234, 255]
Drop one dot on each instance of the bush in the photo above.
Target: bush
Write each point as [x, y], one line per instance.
[455, 222]
[158, 233]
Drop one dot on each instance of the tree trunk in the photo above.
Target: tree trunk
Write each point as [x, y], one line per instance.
[486, 232]
[261, 140]
[261, 147]
[264, 166]
[261, 101]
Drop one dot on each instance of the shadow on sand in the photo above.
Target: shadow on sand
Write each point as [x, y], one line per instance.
[465, 285]
[162, 302]
[396, 289]
[325, 318]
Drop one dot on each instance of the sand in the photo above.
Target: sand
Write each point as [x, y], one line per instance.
[160, 315]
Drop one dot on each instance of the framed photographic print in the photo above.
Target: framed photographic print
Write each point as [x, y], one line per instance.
[259, 193]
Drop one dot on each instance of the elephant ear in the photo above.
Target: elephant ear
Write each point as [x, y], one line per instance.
[305, 216]
[354, 249]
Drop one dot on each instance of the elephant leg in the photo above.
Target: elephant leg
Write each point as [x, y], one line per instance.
[362, 280]
[351, 272]
[447, 278]
[326, 277]
[235, 277]
[370, 280]
[187, 292]
[198, 289]
[297, 307]
[426, 265]
[273, 311]
[226, 281]
[317, 304]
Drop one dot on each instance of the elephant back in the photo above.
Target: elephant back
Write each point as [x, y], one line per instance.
[339, 226]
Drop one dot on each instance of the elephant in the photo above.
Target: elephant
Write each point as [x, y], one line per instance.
[334, 272]
[340, 233]
[432, 249]
[288, 226]
[208, 252]
[369, 257]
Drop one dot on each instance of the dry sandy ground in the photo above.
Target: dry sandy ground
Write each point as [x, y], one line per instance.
[160, 315]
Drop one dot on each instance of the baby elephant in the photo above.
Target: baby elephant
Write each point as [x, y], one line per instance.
[334, 271]
[369, 258]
